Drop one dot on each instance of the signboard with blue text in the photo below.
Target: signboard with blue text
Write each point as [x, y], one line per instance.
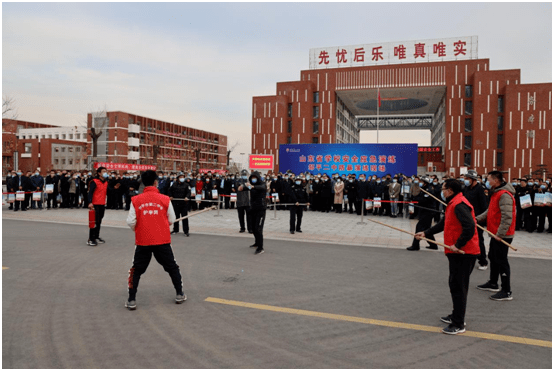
[379, 159]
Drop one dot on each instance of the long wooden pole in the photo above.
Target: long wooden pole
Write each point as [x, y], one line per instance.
[413, 234]
[482, 228]
[194, 214]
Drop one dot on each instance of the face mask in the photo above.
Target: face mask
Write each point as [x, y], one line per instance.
[243, 177]
[75, 177]
[394, 180]
[307, 177]
[421, 184]
[443, 196]
[182, 180]
[263, 178]
[36, 174]
[531, 183]
[286, 178]
[89, 174]
[105, 175]
[488, 185]
[514, 184]
[232, 178]
[466, 182]
[254, 181]
[548, 182]
[543, 186]
[435, 183]
[59, 174]
[378, 181]
[351, 180]
[19, 174]
[298, 182]
[317, 180]
[362, 179]
[134, 177]
[274, 179]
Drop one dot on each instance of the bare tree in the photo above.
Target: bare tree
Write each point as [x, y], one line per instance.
[9, 111]
[231, 149]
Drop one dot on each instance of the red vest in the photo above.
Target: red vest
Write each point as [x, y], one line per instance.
[453, 227]
[99, 196]
[494, 216]
[152, 225]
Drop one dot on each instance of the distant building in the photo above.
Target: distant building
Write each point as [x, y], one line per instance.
[134, 139]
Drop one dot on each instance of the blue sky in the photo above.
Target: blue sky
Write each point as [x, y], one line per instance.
[200, 64]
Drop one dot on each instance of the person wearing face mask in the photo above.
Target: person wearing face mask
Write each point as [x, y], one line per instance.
[199, 185]
[415, 191]
[427, 204]
[378, 192]
[476, 197]
[179, 194]
[523, 216]
[460, 233]
[209, 186]
[243, 203]
[317, 193]
[20, 182]
[386, 195]
[339, 195]
[501, 220]
[51, 197]
[258, 208]
[163, 183]
[351, 190]
[228, 188]
[97, 200]
[73, 187]
[362, 193]
[326, 194]
[394, 194]
[38, 185]
[538, 210]
[275, 186]
[297, 196]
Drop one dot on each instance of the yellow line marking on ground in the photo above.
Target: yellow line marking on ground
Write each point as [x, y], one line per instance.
[369, 321]
[5, 268]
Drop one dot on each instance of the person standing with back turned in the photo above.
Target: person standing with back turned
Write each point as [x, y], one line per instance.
[258, 206]
[150, 216]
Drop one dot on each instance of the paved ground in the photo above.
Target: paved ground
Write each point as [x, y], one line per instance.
[63, 301]
[318, 227]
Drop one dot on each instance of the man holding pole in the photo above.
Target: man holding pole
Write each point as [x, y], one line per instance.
[460, 233]
[501, 221]
[150, 215]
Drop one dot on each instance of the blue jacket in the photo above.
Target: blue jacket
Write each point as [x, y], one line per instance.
[37, 181]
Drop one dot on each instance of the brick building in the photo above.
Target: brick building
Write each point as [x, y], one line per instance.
[133, 139]
[481, 118]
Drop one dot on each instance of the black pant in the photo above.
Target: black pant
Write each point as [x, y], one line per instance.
[460, 268]
[180, 209]
[498, 255]
[242, 211]
[361, 209]
[483, 256]
[28, 197]
[119, 200]
[352, 201]
[65, 200]
[71, 202]
[164, 256]
[338, 208]
[519, 217]
[325, 204]
[258, 218]
[128, 200]
[94, 233]
[424, 223]
[296, 213]
[52, 199]
[541, 215]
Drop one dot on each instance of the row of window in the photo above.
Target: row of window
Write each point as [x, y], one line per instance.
[53, 136]
[69, 161]
[468, 141]
[499, 159]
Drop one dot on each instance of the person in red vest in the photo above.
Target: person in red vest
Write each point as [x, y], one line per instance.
[150, 216]
[501, 220]
[97, 201]
[460, 233]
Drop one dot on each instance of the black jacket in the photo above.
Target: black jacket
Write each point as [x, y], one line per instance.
[298, 194]
[326, 189]
[179, 190]
[53, 180]
[257, 192]
[477, 199]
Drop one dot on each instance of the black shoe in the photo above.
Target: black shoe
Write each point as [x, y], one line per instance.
[489, 287]
[259, 250]
[299, 231]
[432, 247]
[242, 231]
[173, 232]
[453, 330]
[502, 296]
[100, 240]
[131, 304]
[393, 216]
[250, 232]
[411, 248]
[254, 245]
[91, 243]
[448, 319]
[291, 232]
[186, 234]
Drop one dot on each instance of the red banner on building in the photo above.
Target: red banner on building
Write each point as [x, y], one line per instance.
[121, 166]
[214, 171]
[261, 162]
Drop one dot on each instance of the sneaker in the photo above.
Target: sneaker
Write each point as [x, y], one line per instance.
[259, 250]
[488, 287]
[131, 304]
[253, 245]
[453, 330]
[502, 296]
[91, 243]
[412, 248]
[242, 231]
[100, 240]
[172, 232]
[180, 298]
[482, 267]
[448, 319]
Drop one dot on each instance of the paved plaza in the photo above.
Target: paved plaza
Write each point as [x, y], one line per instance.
[326, 298]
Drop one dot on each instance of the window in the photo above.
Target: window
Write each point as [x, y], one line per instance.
[316, 112]
[469, 108]
[289, 127]
[316, 127]
[78, 161]
[467, 159]
[467, 142]
[500, 123]
[56, 161]
[288, 140]
[77, 136]
[290, 110]
[499, 157]
[70, 136]
[500, 103]
[78, 149]
[70, 161]
[63, 136]
[63, 161]
[468, 126]
[28, 147]
[56, 149]
[469, 91]
[63, 149]
[316, 97]
[315, 140]
[70, 149]
[499, 140]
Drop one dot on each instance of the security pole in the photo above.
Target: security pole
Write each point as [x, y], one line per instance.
[361, 222]
[274, 210]
[218, 205]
